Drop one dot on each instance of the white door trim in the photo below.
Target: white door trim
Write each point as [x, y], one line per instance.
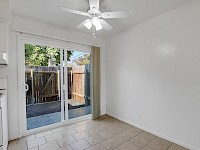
[66, 86]
[62, 85]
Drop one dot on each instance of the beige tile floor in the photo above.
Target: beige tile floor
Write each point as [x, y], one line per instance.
[105, 133]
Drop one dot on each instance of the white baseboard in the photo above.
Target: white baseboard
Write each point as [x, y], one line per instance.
[155, 133]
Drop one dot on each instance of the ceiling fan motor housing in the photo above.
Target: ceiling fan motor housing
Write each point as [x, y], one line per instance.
[94, 13]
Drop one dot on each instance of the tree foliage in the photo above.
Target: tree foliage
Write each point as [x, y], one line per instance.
[36, 55]
[84, 60]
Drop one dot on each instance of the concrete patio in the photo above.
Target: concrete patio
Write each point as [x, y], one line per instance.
[49, 113]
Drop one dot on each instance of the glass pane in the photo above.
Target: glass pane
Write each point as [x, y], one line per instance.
[42, 77]
[79, 102]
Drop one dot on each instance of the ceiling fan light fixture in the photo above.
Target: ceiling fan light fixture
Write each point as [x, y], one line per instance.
[88, 24]
[99, 27]
[96, 22]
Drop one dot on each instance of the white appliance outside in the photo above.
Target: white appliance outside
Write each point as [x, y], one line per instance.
[3, 116]
[1, 126]
[3, 59]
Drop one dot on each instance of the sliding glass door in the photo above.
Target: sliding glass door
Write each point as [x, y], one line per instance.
[78, 74]
[55, 84]
[43, 85]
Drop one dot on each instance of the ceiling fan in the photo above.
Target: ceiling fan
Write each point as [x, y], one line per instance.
[96, 17]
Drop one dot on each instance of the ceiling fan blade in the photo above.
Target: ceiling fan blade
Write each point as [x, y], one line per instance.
[74, 11]
[115, 14]
[105, 25]
[94, 4]
[82, 25]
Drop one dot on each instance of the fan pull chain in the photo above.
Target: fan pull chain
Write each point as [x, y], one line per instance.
[93, 34]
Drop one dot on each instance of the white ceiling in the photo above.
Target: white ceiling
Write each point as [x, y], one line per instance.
[139, 11]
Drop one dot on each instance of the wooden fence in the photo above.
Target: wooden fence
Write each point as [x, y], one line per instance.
[44, 84]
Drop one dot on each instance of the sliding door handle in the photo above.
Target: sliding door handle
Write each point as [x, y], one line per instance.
[26, 87]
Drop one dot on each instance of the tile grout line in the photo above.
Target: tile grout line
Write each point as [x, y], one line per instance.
[147, 143]
[170, 146]
[126, 141]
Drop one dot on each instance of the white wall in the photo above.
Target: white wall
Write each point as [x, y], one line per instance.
[38, 28]
[4, 9]
[153, 75]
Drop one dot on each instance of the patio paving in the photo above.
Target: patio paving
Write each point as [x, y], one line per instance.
[50, 107]
[51, 118]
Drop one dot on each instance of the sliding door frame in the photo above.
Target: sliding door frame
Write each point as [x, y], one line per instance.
[64, 47]
[21, 81]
